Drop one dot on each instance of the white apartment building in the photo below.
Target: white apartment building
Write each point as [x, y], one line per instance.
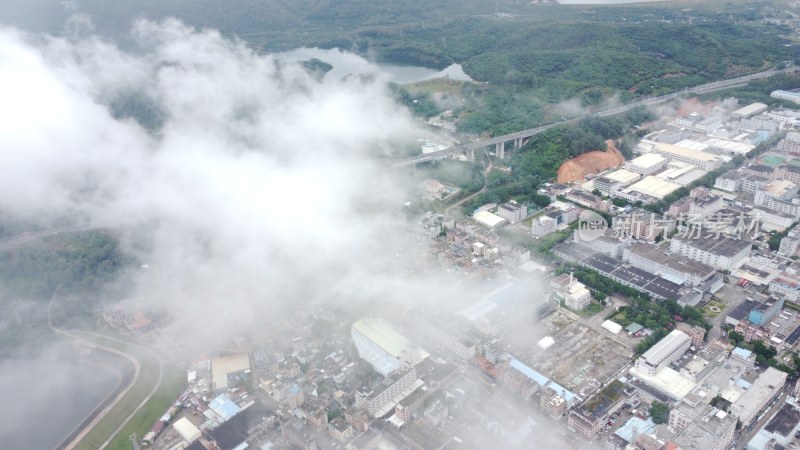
[512, 211]
[705, 206]
[730, 181]
[383, 397]
[786, 285]
[543, 225]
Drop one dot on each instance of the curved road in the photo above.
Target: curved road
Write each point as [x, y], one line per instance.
[105, 407]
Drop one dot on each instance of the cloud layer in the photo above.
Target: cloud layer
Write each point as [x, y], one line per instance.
[251, 184]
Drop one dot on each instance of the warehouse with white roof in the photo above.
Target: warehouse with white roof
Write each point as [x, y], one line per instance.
[383, 347]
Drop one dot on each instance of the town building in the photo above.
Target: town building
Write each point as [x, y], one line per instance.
[590, 417]
[730, 181]
[759, 123]
[780, 431]
[551, 403]
[705, 428]
[786, 285]
[543, 225]
[750, 110]
[723, 254]
[773, 219]
[763, 314]
[571, 291]
[745, 357]
[759, 170]
[701, 160]
[646, 164]
[779, 195]
[488, 219]
[788, 172]
[648, 190]
[609, 183]
[512, 211]
[588, 200]
[229, 371]
[667, 350]
[672, 266]
[340, 430]
[641, 225]
[753, 183]
[383, 347]
[705, 205]
[381, 398]
[697, 334]
[786, 95]
[611, 243]
[765, 388]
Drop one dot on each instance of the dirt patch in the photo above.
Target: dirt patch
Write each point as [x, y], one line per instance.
[588, 163]
[694, 104]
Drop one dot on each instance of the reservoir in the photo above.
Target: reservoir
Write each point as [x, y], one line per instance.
[48, 396]
[345, 63]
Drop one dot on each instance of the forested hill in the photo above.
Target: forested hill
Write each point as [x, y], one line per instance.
[532, 55]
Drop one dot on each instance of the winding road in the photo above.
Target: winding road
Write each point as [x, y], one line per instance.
[94, 340]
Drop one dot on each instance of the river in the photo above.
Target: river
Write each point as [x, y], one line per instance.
[345, 63]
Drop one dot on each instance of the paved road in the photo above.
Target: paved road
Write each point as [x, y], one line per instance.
[744, 438]
[701, 89]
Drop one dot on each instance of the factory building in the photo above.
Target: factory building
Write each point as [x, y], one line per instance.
[722, 254]
[786, 95]
[667, 350]
[647, 164]
[674, 267]
[704, 161]
[383, 347]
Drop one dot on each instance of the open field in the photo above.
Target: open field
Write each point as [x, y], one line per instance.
[582, 357]
[170, 389]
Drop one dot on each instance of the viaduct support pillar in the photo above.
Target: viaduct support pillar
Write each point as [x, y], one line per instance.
[500, 150]
[517, 143]
[471, 154]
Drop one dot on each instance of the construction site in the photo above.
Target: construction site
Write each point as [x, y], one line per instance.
[580, 356]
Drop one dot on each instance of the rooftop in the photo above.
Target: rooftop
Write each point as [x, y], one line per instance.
[647, 160]
[684, 152]
[488, 219]
[750, 109]
[224, 365]
[674, 261]
[665, 346]
[622, 175]
[384, 335]
[654, 186]
[779, 188]
[635, 426]
[722, 247]
[785, 421]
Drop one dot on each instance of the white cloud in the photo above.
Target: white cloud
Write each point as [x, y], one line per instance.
[259, 185]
